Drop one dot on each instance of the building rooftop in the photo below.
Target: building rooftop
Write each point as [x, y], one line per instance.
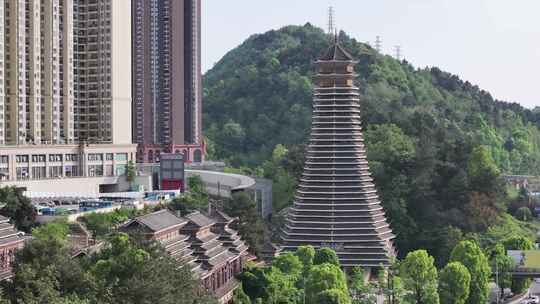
[160, 220]
[336, 53]
[200, 220]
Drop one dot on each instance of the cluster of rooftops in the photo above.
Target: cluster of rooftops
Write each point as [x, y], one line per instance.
[206, 243]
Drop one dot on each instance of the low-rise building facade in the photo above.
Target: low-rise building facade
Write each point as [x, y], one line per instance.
[28, 162]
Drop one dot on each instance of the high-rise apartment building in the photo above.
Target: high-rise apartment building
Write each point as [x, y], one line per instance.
[167, 90]
[36, 72]
[65, 89]
[103, 70]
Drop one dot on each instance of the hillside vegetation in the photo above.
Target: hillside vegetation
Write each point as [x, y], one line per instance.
[437, 145]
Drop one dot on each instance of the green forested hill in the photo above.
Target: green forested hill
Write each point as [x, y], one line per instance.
[421, 128]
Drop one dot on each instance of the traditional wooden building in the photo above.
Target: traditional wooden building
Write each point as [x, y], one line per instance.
[10, 241]
[214, 251]
[222, 264]
[336, 203]
[164, 227]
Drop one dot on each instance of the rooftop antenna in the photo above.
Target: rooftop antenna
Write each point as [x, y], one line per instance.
[331, 20]
[378, 43]
[397, 48]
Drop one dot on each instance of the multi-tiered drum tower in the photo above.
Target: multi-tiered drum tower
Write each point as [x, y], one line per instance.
[336, 203]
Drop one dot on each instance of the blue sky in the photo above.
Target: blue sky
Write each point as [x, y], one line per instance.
[492, 43]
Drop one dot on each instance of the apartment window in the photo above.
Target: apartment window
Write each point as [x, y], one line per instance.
[110, 156]
[109, 171]
[4, 159]
[22, 173]
[121, 156]
[71, 171]
[22, 159]
[120, 170]
[55, 171]
[95, 157]
[95, 170]
[72, 157]
[4, 173]
[55, 157]
[39, 172]
[39, 158]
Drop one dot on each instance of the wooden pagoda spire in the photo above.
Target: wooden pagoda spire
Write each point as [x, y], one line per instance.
[336, 203]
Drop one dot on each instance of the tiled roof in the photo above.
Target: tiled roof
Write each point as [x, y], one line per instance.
[160, 220]
[221, 217]
[336, 52]
[199, 219]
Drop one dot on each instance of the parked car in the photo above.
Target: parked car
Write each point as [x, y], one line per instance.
[533, 300]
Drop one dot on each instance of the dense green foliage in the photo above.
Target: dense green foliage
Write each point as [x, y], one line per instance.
[471, 256]
[437, 144]
[503, 265]
[250, 225]
[18, 208]
[294, 278]
[325, 255]
[454, 282]
[126, 271]
[101, 224]
[419, 277]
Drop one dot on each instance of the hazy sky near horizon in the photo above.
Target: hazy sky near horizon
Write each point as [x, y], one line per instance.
[492, 43]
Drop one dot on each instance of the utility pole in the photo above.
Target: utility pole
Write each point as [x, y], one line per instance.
[378, 44]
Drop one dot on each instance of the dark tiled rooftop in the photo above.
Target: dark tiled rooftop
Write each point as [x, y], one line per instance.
[199, 219]
[160, 220]
[336, 52]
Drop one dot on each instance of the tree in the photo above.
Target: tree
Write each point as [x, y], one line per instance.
[326, 255]
[187, 203]
[503, 265]
[518, 242]
[321, 279]
[55, 231]
[240, 297]
[129, 272]
[454, 283]
[471, 256]
[482, 169]
[18, 208]
[332, 296]
[524, 214]
[288, 263]
[196, 185]
[361, 291]
[44, 270]
[131, 173]
[306, 255]
[419, 276]
[269, 284]
[250, 224]
[99, 224]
